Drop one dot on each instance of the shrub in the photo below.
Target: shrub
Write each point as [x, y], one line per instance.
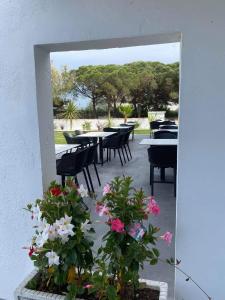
[86, 125]
[61, 245]
[171, 114]
[126, 245]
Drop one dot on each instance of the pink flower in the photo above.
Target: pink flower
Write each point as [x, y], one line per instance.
[152, 207]
[31, 251]
[101, 209]
[117, 225]
[106, 189]
[167, 237]
[88, 286]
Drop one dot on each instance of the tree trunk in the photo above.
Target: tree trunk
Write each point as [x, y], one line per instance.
[94, 108]
[109, 111]
[114, 107]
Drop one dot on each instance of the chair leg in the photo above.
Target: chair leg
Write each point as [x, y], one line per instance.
[109, 154]
[114, 152]
[175, 181]
[129, 150]
[152, 179]
[63, 180]
[123, 154]
[86, 180]
[120, 157]
[76, 180]
[90, 180]
[126, 152]
[96, 171]
[162, 174]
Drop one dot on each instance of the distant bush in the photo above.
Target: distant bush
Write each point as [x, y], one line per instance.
[171, 114]
[86, 125]
[87, 113]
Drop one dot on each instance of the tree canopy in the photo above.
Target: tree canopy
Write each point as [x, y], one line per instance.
[145, 85]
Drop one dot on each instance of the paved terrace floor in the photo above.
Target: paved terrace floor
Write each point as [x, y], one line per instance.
[138, 168]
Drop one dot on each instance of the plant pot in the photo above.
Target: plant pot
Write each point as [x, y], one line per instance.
[22, 293]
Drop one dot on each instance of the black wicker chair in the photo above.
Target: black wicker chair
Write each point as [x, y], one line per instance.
[71, 164]
[114, 143]
[91, 160]
[165, 134]
[162, 157]
[71, 138]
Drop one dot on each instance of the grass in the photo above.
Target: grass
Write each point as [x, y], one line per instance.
[59, 138]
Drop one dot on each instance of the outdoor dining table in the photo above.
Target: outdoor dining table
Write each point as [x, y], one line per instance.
[60, 148]
[99, 135]
[159, 142]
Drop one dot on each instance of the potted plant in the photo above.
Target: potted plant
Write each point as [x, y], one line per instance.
[126, 110]
[128, 243]
[61, 245]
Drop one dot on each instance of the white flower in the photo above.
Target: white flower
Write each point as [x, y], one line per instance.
[86, 225]
[36, 213]
[42, 225]
[41, 239]
[82, 191]
[53, 258]
[52, 233]
[64, 228]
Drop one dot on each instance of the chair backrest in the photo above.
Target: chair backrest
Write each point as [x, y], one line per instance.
[71, 164]
[69, 137]
[168, 122]
[169, 127]
[155, 125]
[164, 134]
[114, 141]
[77, 132]
[109, 129]
[125, 136]
[123, 125]
[163, 156]
[91, 154]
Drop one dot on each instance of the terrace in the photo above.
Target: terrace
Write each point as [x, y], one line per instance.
[27, 160]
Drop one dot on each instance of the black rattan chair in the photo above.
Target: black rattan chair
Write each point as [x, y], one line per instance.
[71, 138]
[165, 134]
[168, 127]
[162, 157]
[91, 160]
[155, 125]
[114, 143]
[167, 122]
[71, 164]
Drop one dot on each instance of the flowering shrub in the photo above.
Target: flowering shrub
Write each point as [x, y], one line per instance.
[128, 243]
[61, 245]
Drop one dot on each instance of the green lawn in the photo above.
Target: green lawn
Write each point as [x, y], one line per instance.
[59, 138]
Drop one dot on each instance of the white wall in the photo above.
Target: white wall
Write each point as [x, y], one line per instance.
[78, 123]
[201, 205]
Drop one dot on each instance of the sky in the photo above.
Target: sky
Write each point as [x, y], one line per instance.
[165, 53]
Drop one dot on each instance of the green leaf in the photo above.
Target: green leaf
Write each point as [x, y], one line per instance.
[153, 261]
[155, 251]
[111, 292]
